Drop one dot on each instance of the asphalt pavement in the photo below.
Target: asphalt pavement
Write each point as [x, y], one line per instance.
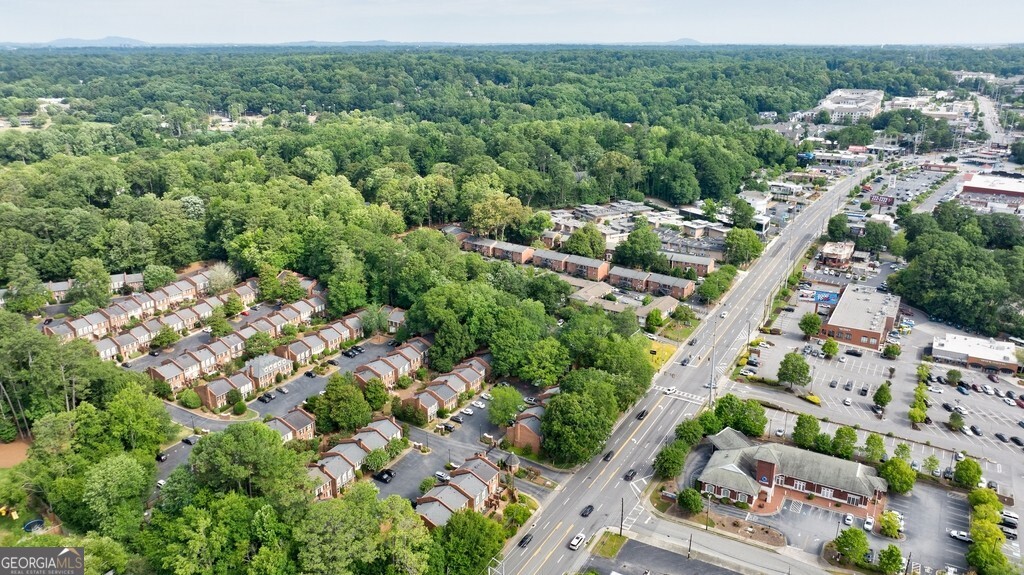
[637, 558]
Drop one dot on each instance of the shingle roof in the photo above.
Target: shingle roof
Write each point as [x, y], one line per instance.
[435, 513]
[729, 438]
[351, 451]
[371, 439]
[219, 386]
[387, 427]
[337, 466]
[480, 467]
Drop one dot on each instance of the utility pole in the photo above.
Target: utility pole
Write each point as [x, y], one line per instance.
[622, 513]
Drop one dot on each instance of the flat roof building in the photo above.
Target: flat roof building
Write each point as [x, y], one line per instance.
[852, 104]
[863, 317]
[975, 352]
[982, 189]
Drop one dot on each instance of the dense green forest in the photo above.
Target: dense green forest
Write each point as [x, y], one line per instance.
[354, 149]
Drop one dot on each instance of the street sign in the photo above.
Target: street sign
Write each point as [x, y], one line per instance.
[882, 200]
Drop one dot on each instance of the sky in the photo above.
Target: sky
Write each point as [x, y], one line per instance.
[870, 22]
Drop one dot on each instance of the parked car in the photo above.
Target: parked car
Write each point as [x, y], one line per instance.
[332, 362]
[961, 536]
[442, 476]
[530, 400]
[963, 390]
[155, 353]
[849, 385]
[977, 431]
[947, 407]
[848, 519]
[467, 411]
[1017, 441]
[191, 440]
[869, 523]
[993, 378]
[161, 456]
[834, 383]
[265, 398]
[385, 475]
[458, 419]
[486, 396]
[479, 405]
[160, 483]
[284, 390]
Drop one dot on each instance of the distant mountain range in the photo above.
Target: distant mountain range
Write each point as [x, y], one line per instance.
[121, 42]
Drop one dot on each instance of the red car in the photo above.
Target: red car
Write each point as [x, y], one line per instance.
[1020, 402]
[992, 377]
[245, 312]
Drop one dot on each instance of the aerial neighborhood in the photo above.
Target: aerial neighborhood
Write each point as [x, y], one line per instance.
[461, 311]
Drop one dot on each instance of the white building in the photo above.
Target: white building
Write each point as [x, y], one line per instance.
[975, 352]
[853, 104]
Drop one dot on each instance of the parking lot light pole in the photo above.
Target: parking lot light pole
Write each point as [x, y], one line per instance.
[708, 520]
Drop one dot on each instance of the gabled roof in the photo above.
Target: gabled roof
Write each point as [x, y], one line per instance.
[729, 438]
[168, 370]
[351, 451]
[443, 391]
[372, 439]
[387, 427]
[280, 426]
[219, 386]
[479, 466]
[470, 483]
[298, 418]
[105, 346]
[426, 399]
[337, 466]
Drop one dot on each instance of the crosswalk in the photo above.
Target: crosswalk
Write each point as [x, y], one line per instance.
[681, 395]
[637, 510]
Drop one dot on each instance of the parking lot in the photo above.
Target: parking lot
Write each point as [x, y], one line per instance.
[301, 387]
[455, 446]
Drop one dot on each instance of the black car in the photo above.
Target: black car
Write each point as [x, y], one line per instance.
[927, 420]
[309, 374]
[191, 440]
[789, 309]
[643, 413]
[685, 362]
[449, 427]
[48, 321]
[753, 362]
[393, 343]
[854, 352]
[1017, 441]
[458, 419]
[265, 398]
[869, 556]
[976, 431]
[385, 475]
[608, 456]
[358, 348]
[877, 409]
[947, 407]
[155, 352]
[1001, 437]
[864, 391]
[587, 511]
[629, 475]
[834, 383]
[332, 362]
[349, 353]
[1011, 395]
[526, 540]
[161, 456]
[849, 385]
[693, 342]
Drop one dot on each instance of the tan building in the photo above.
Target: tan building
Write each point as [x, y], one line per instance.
[838, 255]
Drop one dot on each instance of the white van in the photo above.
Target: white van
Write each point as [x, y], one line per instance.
[577, 541]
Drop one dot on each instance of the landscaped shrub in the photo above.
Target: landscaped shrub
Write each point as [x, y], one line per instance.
[190, 399]
[239, 408]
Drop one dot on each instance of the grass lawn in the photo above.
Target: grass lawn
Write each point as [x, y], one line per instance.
[609, 544]
[659, 502]
[664, 351]
[678, 332]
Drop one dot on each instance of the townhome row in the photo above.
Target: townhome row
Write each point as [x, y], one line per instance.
[137, 338]
[647, 282]
[443, 392]
[404, 360]
[189, 366]
[474, 485]
[589, 268]
[142, 305]
[337, 467]
[525, 431]
[118, 283]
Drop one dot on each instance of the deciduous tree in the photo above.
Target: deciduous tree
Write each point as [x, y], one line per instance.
[794, 370]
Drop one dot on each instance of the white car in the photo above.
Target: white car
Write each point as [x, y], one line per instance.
[842, 359]
[1009, 401]
[763, 345]
[747, 372]
[961, 536]
[848, 519]
[935, 389]
[479, 405]
[486, 396]
[160, 483]
[724, 314]
[467, 411]
[847, 402]
[869, 523]
[670, 390]
[651, 336]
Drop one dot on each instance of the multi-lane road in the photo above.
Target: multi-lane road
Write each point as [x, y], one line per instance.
[635, 443]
